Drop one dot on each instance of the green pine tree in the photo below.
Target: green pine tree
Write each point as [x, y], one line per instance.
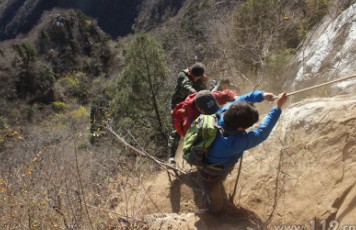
[141, 98]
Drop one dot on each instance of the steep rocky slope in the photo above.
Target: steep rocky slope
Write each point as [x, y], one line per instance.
[307, 168]
[327, 54]
[304, 172]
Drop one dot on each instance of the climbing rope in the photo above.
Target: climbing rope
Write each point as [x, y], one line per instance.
[320, 85]
[232, 195]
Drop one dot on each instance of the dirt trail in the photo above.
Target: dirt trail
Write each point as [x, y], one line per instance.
[170, 203]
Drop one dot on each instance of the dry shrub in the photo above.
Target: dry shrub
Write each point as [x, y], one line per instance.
[52, 178]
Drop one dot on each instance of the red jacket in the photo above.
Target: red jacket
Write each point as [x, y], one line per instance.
[185, 112]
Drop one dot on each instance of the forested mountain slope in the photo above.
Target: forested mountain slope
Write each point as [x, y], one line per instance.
[65, 78]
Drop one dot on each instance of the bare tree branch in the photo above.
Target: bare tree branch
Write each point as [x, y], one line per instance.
[176, 172]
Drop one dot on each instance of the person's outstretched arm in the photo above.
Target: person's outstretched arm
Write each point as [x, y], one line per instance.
[256, 96]
[222, 97]
[260, 134]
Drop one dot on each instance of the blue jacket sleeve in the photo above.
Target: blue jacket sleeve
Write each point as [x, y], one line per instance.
[227, 149]
[260, 134]
[256, 96]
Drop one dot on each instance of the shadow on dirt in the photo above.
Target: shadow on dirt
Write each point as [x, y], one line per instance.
[231, 217]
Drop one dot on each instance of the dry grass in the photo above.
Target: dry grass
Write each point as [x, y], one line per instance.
[52, 178]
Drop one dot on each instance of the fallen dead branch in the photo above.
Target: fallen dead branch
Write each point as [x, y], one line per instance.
[122, 216]
[170, 169]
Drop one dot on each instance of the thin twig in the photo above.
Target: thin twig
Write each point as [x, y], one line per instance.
[81, 184]
[112, 212]
[134, 138]
[258, 84]
[154, 204]
[162, 164]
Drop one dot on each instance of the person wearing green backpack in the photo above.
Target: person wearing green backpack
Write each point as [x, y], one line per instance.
[230, 144]
[189, 81]
[204, 125]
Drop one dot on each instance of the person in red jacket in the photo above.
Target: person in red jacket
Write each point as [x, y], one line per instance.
[202, 102]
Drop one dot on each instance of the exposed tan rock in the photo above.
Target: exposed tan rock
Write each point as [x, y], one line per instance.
[306, 169]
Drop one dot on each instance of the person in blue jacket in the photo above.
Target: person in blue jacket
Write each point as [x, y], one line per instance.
[229, 145]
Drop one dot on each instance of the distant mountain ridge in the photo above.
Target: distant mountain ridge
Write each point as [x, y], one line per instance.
[117, 18]
[114, 17]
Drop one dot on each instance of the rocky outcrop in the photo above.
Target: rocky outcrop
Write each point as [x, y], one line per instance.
[306, 169]
[114, 17]
[327, 54]
[20, 16]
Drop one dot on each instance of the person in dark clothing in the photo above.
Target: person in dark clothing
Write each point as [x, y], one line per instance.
[190, 80]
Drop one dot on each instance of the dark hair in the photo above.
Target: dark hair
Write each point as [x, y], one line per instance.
[225, 81]
[197, 69]
[241, 115]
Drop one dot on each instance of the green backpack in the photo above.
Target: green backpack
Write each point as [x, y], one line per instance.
[199, 138]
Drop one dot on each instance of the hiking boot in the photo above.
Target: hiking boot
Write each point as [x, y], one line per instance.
[172, 161]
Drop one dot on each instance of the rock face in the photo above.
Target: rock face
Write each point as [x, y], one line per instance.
[327, 54]
[306, 169]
